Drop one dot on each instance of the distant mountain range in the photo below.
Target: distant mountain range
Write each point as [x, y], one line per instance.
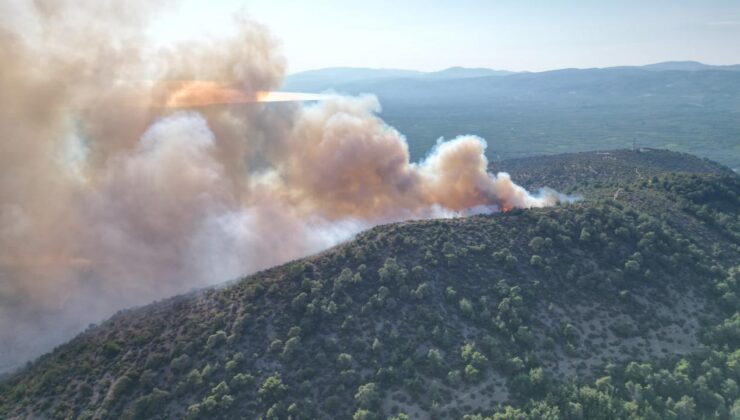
[331, 77]
[689, 66]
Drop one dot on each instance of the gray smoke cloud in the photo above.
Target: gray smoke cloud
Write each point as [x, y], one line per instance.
[109, 199]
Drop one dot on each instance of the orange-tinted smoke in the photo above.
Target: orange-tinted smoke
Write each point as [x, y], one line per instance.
[199, 93]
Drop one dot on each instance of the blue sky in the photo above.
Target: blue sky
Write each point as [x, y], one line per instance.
[503, 34]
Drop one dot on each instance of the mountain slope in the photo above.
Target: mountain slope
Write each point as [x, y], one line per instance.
[572, 171]
[620, 304]
[466, 72]
[688, 66]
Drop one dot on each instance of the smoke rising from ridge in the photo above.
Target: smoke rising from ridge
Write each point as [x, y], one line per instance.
[105, 204]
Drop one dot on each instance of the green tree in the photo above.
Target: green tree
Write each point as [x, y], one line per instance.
[367, 395]
[391, 272]
[272, 389]
[466, 308]
[344, 360]
[291, 347]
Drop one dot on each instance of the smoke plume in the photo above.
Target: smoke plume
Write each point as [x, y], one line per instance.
[114, 192]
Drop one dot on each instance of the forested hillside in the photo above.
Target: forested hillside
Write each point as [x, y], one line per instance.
[623, 304]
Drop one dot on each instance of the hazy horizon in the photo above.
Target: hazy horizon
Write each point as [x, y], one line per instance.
[289, 73]
[427, 36]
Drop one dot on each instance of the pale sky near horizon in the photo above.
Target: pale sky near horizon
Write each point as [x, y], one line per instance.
[531, 35]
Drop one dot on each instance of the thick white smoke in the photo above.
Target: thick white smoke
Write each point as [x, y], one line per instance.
[108, 199]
